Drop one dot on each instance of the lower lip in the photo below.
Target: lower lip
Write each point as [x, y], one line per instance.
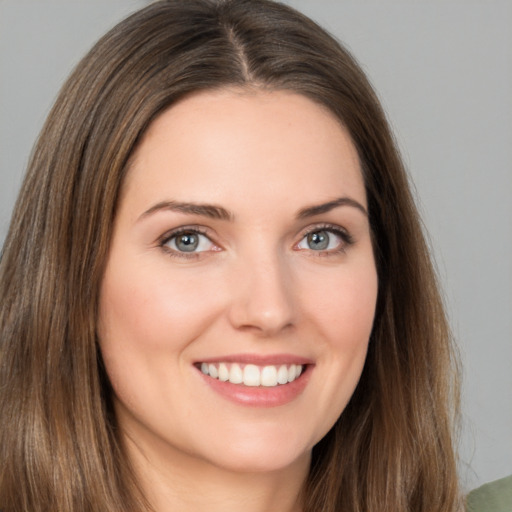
[260, 396]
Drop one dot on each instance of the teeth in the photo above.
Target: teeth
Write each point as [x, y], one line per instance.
[282, 375]
[236, 375]
[223, 372]
[269, 376]
[294, 371]
[212, 371]
[252, 375]
[291, 373]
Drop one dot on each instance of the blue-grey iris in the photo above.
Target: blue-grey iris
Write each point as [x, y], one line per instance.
[187, 242]
[318, 241]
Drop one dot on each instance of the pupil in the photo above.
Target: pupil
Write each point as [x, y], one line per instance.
[318, 241]
[187, 242]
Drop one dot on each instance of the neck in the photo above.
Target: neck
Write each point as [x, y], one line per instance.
[179, 481]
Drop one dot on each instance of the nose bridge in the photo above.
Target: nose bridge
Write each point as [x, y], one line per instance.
[262, 294]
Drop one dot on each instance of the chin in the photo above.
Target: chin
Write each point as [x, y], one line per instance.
[261, 463]
[262, 454]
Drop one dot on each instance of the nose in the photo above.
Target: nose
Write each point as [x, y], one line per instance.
[262, 296]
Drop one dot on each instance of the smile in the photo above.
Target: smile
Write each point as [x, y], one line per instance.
[252, 375]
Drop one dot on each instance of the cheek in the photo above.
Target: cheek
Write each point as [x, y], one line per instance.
[147, 319]
[151, 309]
[344, 306]
[351, 324]
[343, 313]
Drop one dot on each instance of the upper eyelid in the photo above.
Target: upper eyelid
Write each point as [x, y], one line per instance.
[327, 226]
[211, 235]
[163, 241]
[165, 237]
[344, 234]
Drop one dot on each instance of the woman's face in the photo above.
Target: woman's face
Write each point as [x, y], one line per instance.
[241, 257]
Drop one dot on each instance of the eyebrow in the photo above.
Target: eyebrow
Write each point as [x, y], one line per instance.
[311, 211]
[219, 213]
[205, 210]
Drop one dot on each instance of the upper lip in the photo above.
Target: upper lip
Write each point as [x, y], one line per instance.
[259, 359]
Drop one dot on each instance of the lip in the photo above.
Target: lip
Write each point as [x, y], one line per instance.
[259, 396]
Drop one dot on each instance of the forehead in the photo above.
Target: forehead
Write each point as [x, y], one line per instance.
[231, 144]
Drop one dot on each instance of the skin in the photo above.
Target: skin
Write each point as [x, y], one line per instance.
[255, 286]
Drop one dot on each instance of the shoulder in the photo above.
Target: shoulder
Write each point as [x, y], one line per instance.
[492, 497]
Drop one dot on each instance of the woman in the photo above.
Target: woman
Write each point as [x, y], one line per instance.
[215, 288]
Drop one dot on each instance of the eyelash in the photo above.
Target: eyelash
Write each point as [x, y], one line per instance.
[345, 236]
[347, 240]
[167, 237]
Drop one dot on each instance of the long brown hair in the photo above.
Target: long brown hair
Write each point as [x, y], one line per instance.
[391, 449]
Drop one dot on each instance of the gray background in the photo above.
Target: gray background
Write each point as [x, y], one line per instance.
[443, 70]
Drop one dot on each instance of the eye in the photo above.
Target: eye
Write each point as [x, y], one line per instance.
[325, 240]
[188, 241]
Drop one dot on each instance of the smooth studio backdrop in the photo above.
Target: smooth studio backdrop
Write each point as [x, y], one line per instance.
[443, 70]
